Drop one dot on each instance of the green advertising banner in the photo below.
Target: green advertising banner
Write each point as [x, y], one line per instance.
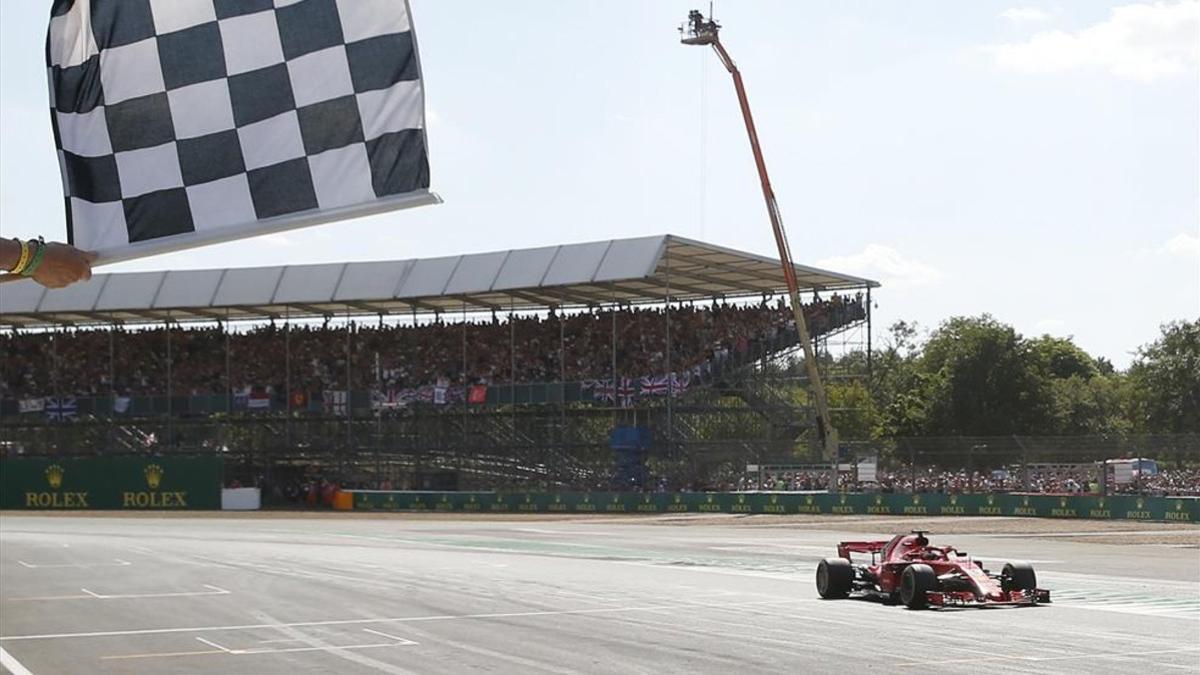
[111, 483]
[1180, 509]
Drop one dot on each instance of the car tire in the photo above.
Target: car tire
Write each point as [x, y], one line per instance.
[1018, 576]
[835, 576]
[915, 582]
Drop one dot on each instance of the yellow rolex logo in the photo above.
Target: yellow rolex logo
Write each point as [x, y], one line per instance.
[1025, 501]
[991, 500]
[710, 498]
[528, 498]
[646, 498]
[557, 499]
[775, 499]
[842, 499]
[953, 499]
[678, 498]
[741, 499]
[154, 475]
[1179, 505]
[878, 500]
[808, 499]
[472, 498]
[1141, 503]
[54, 476]
[587, 497]
[1101, 502]
[616, 498]
[1062, 502]
[916, 499]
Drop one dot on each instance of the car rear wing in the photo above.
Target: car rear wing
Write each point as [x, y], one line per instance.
[845, 548]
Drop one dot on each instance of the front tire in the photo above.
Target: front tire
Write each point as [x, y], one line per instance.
[915, 582]
[1018, 576]
[835, 576]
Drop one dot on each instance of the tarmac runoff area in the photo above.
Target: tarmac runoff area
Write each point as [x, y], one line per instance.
[288, 593]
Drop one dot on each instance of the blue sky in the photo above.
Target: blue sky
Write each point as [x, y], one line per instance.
[1040, 162]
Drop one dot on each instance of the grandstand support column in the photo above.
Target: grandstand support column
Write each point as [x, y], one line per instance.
[870, 356]
[287, 374]
[667, 360]
[466, 406]
[171, 444]
[112, 384]
[614, 350]
[341, 463]
[562, 385]
[224, 436]
[54, 384]
[512, 366]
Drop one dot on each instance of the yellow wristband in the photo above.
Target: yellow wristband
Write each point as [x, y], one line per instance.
[23, 260]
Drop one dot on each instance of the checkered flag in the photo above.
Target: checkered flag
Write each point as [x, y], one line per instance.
[184, 122]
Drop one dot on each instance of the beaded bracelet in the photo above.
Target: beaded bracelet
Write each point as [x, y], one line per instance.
[23, 259]
[36, 260]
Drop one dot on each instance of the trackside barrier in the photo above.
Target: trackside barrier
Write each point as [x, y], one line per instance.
[1179, 509]
[241, 499]
[111, 483]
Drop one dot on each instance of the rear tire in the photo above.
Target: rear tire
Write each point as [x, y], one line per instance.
[915, 582]
[835, 576]
[1018, 576]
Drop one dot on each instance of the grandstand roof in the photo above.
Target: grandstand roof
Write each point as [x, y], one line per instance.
[639, 270]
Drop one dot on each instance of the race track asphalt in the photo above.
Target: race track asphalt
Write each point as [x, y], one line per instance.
[296, 594]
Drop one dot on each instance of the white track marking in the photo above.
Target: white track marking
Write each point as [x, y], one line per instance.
[87, 594]
[210, 643]
[213, 590]
[402, 619]
[399, 640]
[1109, 655]
[14, 666]
[118, 563]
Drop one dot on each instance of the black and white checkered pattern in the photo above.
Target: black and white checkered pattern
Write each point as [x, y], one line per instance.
[179, 117]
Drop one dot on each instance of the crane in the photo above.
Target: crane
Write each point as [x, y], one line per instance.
[701, 31]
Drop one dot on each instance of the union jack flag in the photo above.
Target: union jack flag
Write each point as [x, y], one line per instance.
[626, 392]
[679, 383]
[654, 385]
[61, 409]
[602, 390]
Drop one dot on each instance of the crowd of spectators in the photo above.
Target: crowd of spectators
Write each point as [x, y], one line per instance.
[311, 357]
[1167, 482]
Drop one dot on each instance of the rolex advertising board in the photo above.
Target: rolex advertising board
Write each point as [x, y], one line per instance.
[111, 483]
[1185, 509]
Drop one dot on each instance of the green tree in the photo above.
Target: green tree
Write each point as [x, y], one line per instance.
[988, 380]
[1165, 379]
[1060, 358]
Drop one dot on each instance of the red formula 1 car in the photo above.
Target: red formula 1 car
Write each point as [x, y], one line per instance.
[907, 569]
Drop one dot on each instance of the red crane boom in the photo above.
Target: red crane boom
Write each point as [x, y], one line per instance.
[701, 31]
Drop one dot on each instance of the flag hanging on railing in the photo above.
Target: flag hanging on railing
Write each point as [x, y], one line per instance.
[28, 405]
[625, 392]
[654, 385]
[185, 123]
[334, 402]
[61, 409]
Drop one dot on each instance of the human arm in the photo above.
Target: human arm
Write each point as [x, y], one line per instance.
[59, 265]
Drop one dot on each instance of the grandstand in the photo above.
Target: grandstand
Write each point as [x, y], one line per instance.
[594, 365]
